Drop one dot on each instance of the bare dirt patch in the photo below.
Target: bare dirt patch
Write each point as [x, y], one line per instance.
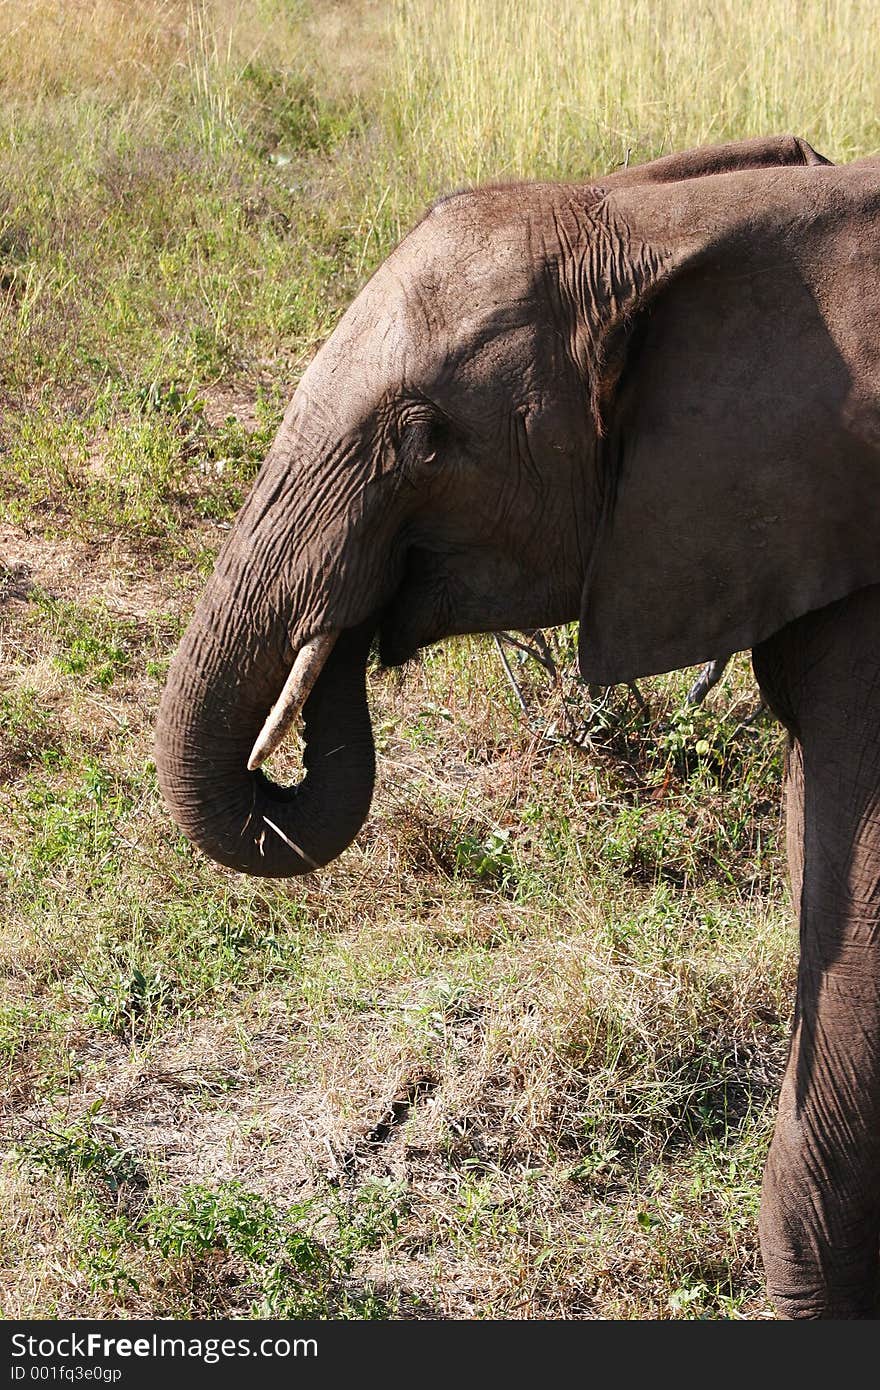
[77, 571]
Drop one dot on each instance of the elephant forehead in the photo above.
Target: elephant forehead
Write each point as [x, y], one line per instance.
[466, 265]
[434, 305]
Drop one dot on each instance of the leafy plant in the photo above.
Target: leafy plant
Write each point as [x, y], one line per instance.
[489, 857]
[83, 1148]
[297, 1274]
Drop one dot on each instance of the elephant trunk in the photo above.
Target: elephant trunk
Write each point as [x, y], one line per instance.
[212, 712]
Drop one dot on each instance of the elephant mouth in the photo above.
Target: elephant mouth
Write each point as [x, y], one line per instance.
[398, 627]
[429, 604]
[395, 648]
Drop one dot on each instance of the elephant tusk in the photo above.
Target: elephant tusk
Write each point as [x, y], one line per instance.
[297, 688]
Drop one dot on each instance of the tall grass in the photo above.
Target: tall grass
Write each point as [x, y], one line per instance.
[484, 89]
[113, 48]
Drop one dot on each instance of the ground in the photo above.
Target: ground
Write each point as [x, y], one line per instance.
[515, 1054]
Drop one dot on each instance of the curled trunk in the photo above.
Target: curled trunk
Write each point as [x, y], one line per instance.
[212, 712]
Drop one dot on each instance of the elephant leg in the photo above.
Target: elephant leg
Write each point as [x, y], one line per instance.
[820, 1206]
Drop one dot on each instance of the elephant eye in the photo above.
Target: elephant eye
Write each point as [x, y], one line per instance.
[423, 441]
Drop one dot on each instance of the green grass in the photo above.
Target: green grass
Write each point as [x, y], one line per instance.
[516, 1054]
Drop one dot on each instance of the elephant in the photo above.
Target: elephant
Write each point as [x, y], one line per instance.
[650, 403]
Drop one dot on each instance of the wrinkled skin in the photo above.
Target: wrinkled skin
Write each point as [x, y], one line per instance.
[651, 403]
[820, 1209]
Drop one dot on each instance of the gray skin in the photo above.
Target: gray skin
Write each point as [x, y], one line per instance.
[651, 403]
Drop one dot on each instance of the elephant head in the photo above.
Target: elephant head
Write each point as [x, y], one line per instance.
[634, 401]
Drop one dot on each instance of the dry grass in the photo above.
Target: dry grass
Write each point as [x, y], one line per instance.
[85, 47]
[112, 50]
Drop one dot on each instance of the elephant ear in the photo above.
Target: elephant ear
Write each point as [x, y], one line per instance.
[738, 473]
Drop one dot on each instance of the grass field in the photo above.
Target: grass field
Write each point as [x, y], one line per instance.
[515, 1055]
